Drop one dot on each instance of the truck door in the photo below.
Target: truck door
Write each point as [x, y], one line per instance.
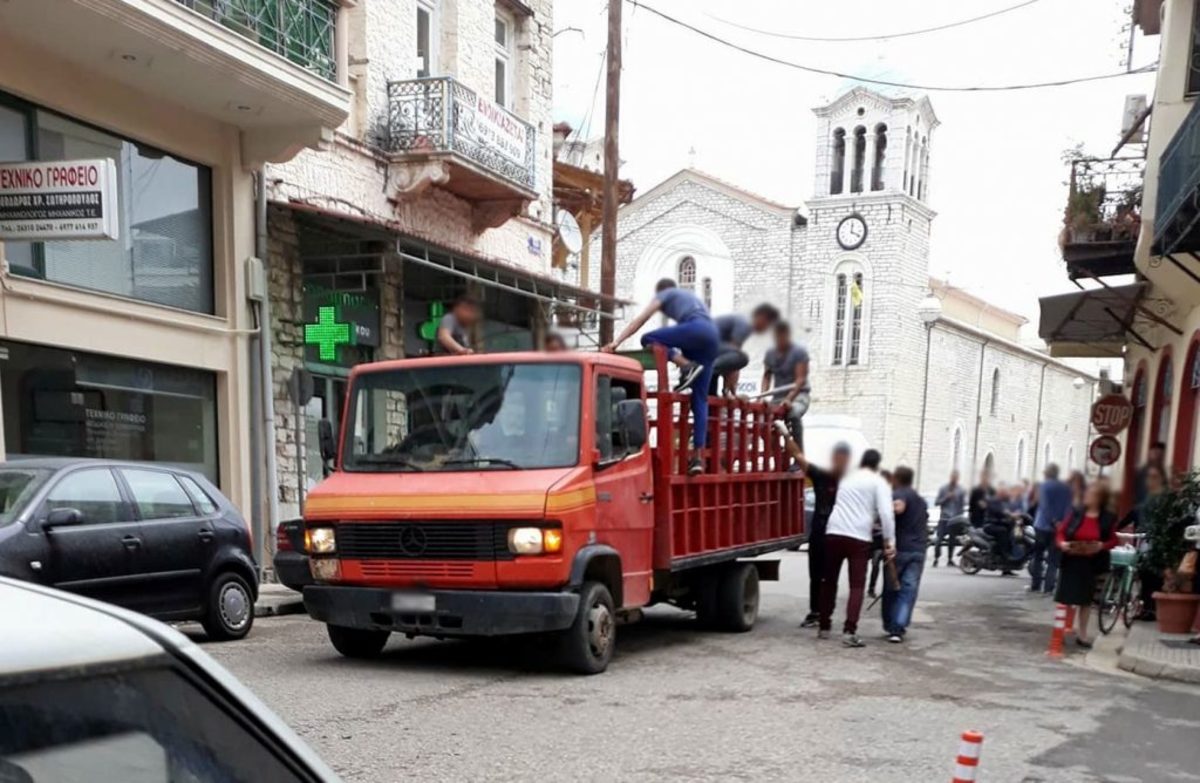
[624, 488]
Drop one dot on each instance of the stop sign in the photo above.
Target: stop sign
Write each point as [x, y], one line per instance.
[1111, 414]
[1105, 450]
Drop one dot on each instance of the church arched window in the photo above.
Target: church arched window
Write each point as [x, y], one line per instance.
[837, 167]
[686, 274]
[995, 391]
[956, 450]
[1070, 458]
[908, 161]
[922, 185]
[880, 156]
[1021, 457]
[860, 154]
[849, 310]
[706, 292]
[1047, 454]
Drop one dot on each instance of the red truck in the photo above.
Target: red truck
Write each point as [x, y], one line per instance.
[531, 493]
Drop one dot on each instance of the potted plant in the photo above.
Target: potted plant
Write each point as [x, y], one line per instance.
[1175, 605]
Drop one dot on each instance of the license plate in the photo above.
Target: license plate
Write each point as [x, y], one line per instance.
[413, 602]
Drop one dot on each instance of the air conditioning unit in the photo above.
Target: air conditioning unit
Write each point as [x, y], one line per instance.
[1135, 109]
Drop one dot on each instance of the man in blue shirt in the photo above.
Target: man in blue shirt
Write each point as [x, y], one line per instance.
[1054, 502]
[734, 330]
[912, 530]
[692, 342]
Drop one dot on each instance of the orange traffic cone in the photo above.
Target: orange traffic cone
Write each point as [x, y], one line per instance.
[1056, 636]
[968, 757]
[1070, 624]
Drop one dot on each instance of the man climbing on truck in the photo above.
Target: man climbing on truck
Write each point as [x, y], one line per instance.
[692, 343]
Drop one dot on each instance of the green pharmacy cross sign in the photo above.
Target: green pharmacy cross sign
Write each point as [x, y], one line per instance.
[327, 334]
[428, 329]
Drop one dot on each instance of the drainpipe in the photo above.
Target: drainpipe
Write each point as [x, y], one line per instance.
[267, 387]
[924, 404]
[1037, 431]
[978, 411]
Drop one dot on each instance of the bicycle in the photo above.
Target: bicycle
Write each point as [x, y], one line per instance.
[1122, 591]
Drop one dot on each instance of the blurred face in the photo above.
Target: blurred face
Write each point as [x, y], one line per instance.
[760, 323]
[467, 313]
[555, 345]
[1155, 483]
[1093, 496]
[984, 479]
[954, 477]
[841, 461]
[782, 339]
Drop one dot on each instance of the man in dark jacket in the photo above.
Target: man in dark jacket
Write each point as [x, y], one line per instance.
[912, 520]
[825, 485]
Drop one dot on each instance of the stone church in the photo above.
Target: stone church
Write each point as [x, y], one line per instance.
[932, 376]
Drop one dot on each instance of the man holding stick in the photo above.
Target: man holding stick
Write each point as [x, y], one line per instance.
[912, 521]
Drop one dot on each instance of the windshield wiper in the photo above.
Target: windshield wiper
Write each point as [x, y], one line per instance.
[387, 462]
[507, 463]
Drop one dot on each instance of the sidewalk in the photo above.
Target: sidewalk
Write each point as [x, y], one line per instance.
[1169, 656]
[275, 600]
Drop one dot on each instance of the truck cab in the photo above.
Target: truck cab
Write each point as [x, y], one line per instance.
[493, 495]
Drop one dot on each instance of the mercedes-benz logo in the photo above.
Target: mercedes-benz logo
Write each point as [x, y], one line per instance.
[413, 540]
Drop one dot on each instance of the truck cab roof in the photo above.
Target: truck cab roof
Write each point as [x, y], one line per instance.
[596, 358]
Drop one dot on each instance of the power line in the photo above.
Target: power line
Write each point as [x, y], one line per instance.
[883, 82]
[848, 39]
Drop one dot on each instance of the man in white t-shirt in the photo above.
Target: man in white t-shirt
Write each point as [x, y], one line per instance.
[862, 497]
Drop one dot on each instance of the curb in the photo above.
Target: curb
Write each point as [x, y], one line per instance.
[1143, 657]
[279, 608]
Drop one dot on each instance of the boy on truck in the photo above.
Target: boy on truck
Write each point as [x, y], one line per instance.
[693, 343]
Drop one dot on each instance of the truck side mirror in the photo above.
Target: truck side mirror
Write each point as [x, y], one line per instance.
[327, 441]
[631, 424]
[63, 517]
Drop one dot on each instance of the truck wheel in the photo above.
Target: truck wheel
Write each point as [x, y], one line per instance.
[357, 642]
[737, 598]
[587, 646]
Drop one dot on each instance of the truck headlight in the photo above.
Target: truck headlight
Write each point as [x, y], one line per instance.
[320, 541]
[535, 540]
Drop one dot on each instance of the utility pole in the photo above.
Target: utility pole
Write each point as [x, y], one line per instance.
[612, 161]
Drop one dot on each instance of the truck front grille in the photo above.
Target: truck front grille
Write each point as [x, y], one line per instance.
[424, 540]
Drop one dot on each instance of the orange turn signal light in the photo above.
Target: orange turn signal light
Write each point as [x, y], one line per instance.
[552, 540]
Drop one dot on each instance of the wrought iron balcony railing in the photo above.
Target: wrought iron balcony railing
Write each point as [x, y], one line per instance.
[1177, 212]
[1103, 216]
[300, 30]
[440, 115]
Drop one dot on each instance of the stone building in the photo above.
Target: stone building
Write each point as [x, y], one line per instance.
[439, 183]
[851, 272]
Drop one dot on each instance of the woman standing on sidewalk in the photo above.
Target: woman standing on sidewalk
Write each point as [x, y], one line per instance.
[1085, 538]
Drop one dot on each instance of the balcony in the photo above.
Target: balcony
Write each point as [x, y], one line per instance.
[442, 133]
[1103, 216]
[273, 68]
[1177, 209]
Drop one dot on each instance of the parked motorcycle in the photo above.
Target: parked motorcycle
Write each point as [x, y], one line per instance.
[978, 549]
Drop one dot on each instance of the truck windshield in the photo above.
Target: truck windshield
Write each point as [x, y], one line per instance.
[16, 487]
[466, 417]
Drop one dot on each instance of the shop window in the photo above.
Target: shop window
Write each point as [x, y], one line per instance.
[164, 251]
[60, 403]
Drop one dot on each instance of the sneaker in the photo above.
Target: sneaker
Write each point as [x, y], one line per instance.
[810, 621]
[895, 638]
[822, 634]
[871, 594]
[1081, 643]
[950, 564]
[935, 564]
[852, 640]
[695, 467]
[688, 375]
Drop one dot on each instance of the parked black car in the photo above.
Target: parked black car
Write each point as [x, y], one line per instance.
[155, 539]
[291, 557]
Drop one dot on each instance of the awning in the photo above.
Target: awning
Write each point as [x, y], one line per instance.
[1095, 322]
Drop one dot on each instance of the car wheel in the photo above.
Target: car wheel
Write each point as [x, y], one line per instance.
[230, 612]
[587, 646]
[357, 642]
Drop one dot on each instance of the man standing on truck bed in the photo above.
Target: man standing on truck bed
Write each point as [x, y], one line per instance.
[692, 342]
[825, 487]
[786, 364]
[734, 330]
[862, 496]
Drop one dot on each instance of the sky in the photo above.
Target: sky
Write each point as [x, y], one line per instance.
[997, 180]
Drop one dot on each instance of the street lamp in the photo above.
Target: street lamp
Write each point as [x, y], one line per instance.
[1078, 383]
[929, 310]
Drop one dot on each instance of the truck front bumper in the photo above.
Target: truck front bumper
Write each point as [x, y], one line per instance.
[455, 613]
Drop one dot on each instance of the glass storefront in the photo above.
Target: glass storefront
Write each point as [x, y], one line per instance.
[164, 253]
[68, 403]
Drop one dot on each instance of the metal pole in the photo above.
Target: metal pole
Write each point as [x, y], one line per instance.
[271, 479]
[924, 405]
[978, 410]
[612, 161]
[1037, 430]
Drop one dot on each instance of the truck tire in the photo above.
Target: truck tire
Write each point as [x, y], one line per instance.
[737, 598]
[587, 646]
[357, 642]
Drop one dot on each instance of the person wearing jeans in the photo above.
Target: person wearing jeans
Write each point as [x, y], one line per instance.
[692, 343]
[912, 516]
[862, 496]
[951, 500]
[1054, 502]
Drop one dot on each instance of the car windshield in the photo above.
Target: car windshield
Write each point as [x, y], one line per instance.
[465, 417]
[16, 487]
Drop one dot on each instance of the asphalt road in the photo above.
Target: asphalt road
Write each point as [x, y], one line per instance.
[774, 704]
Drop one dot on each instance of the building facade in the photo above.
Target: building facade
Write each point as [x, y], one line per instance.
[934, 377]
[139, 345]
